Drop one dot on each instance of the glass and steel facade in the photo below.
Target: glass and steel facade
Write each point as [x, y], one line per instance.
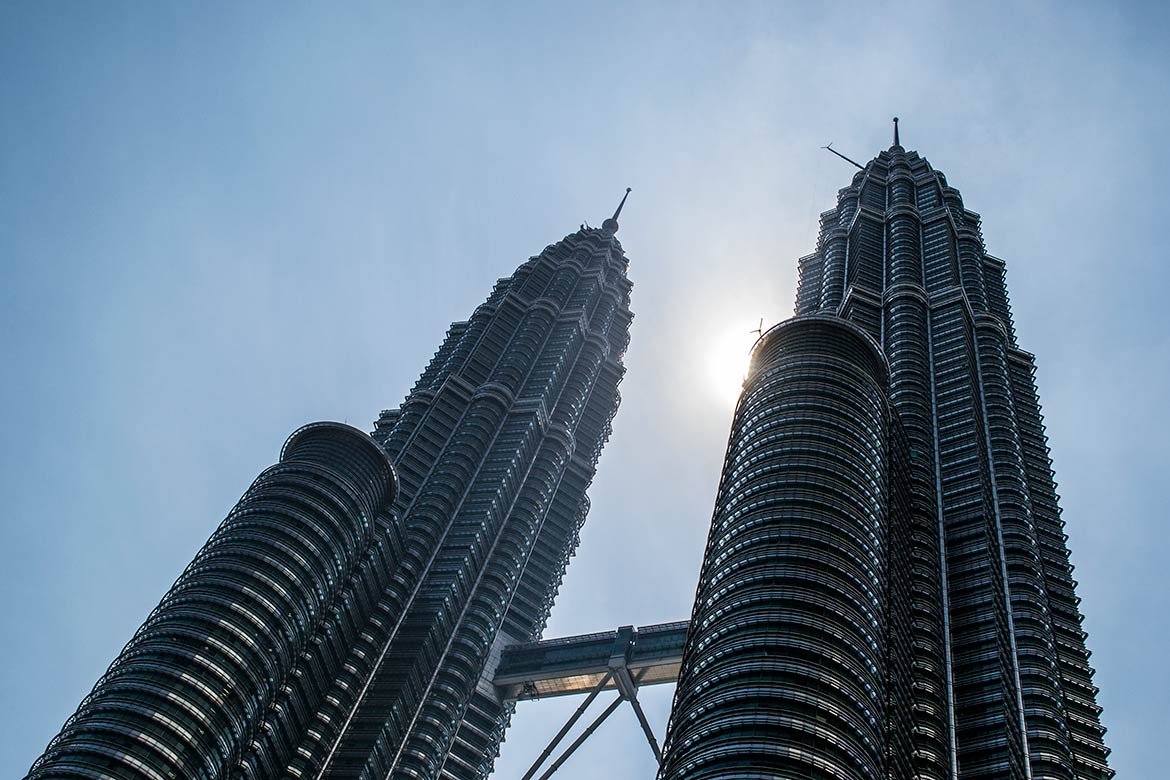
[894, 600]
[346, 619]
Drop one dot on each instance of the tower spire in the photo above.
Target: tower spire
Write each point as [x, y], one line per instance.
[611, 224]
[896, 141]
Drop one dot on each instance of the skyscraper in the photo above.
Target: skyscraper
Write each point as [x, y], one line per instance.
[342, 619]
[886, 591]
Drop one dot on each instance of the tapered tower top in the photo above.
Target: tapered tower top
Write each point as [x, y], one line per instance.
[611, 224]
[897, 143]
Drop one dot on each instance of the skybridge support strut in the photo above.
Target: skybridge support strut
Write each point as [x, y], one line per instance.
[629, 690]
[565, 730]
[581, 739]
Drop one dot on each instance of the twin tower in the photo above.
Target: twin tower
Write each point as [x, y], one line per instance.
[885, 592]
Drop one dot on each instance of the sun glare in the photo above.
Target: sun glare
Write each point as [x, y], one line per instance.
[727, 361]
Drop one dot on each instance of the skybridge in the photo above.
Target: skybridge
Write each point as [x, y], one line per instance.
[622, 660]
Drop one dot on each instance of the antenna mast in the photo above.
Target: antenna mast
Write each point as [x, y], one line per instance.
[843, 157]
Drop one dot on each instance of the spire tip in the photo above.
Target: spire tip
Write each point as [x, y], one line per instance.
[611, 224]
[896, 141]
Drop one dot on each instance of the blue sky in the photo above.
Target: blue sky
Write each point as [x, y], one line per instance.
[220, 221]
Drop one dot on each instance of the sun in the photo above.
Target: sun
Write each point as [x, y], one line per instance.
[727, 361]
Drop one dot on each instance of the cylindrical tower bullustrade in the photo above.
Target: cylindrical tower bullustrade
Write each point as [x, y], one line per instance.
[784, 668]
[185, 697]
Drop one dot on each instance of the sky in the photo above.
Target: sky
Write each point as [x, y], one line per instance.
[221, 221]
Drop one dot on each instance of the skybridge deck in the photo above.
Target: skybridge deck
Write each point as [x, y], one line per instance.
[578, 664]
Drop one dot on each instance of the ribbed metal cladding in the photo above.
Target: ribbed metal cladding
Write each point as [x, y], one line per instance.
[192, 691]
[784, 672]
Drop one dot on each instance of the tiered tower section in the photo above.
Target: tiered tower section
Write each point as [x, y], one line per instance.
[495, 447]
[984, 662]
[903, 258]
